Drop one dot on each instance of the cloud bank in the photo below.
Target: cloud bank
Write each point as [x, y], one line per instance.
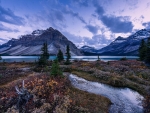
[7, 15]
[116, 24]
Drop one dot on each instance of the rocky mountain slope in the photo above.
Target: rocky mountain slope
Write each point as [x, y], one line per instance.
[87, 50]
[31, 44]
[123, 46]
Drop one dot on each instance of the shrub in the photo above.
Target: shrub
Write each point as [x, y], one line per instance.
[46, 69]
[37, 69]
[108, 63]
[67, 62]
[76, 60]
[55, 71]
[0, 76]
[67, 69]
[117, 82]
[146, 104]
[123, 59]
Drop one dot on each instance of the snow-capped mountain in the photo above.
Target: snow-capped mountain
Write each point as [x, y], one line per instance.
[88, 50]
[37, 32]
[123, 46]
[119, 40]
[31, 44]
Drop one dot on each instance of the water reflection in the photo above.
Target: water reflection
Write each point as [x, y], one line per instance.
[124, 100]
[84, 58]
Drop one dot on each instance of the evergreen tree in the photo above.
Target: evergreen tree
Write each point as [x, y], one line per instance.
[98, 58]
[68, 55]
[55, 70]
[147, 59]
[60, 56]
[142, 50]
[44, 56]
[45, 51]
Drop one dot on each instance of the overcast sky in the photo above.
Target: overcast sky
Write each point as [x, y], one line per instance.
[85, 22]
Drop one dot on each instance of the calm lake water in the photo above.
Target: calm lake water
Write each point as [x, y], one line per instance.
[85, 58]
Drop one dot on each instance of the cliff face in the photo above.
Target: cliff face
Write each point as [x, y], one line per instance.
[31, 44]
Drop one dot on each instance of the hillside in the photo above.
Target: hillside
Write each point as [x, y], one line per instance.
[31, 44]
[122, 46]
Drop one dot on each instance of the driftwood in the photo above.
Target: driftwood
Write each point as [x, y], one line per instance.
[23, 97]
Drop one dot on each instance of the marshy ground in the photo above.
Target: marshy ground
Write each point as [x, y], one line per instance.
[55, 94]
[51, 94]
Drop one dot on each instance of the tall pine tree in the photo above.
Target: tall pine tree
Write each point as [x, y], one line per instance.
[142, 50]
[147, 59]
[45, 51]
[0, 58]
[98, 58]
[44, 56]
[60, 56]
[68, 55]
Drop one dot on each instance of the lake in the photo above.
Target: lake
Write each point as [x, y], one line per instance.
[84, 58]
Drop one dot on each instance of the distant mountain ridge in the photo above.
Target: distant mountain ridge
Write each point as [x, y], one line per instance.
[31, 44]
[122, 46]
[87, 50]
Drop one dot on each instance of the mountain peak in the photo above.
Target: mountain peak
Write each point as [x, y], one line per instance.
[126, 46]
[88, 50]
[31, 44]
[119, 38]
[50, 29]
[37, 32]
[123, 46]
[141, 34]
[86, 47]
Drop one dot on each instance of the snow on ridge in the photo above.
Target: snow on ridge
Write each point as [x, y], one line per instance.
[86, 47]
[119, 41]
[37, 32]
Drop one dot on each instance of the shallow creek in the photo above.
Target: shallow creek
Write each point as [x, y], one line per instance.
[124, 100]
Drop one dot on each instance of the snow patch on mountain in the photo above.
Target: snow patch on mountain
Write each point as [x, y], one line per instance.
[123, 46]
[31, 44]
[37, 32]
[88, 49]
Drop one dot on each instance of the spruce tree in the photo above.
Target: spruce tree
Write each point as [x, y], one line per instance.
[68, 55]
[60, 56]
[98, 58]
[45, 51]
[147, 59]
[142, 50]
[44, 56]
[55, 70]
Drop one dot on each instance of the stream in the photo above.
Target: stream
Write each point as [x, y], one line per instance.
[124, 100]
